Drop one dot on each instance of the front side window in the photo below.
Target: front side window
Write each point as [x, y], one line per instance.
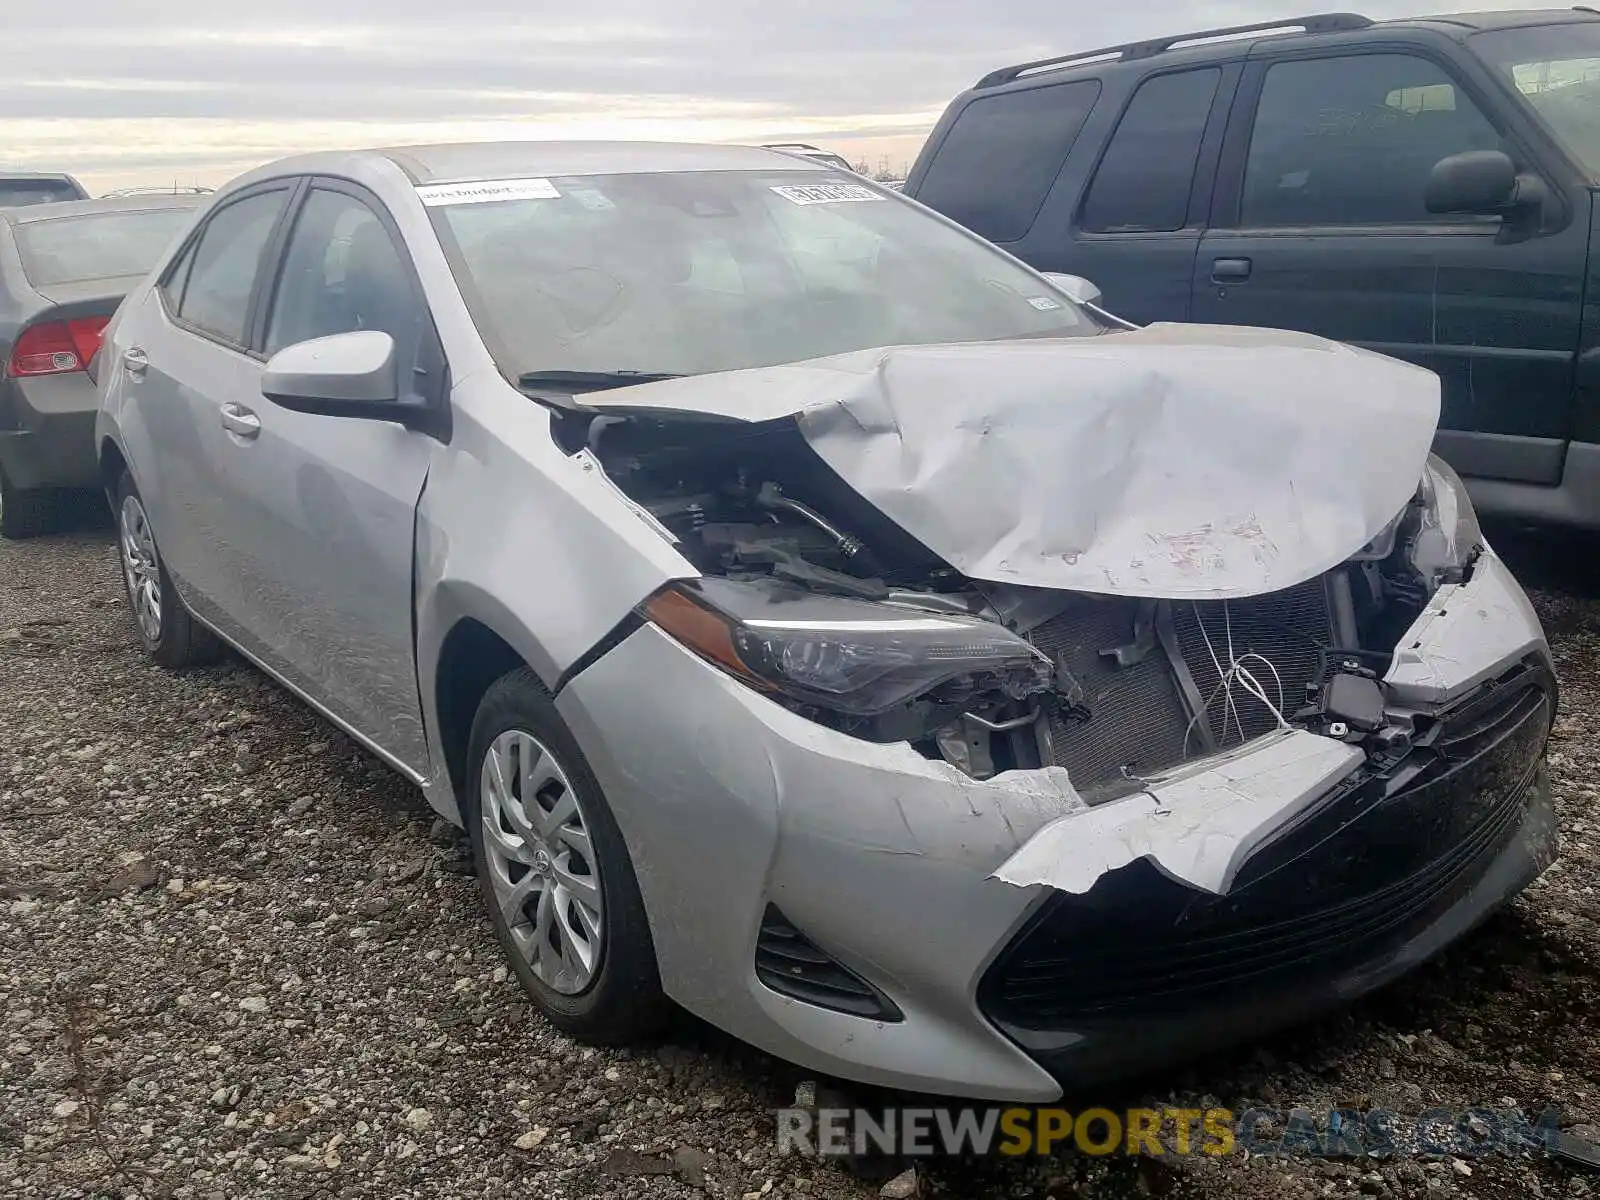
[216, 297]
[1352, 141]
[1556, 71]
[97, 245]
[693, 272]
[995, 166]
[341, 272]
[1143, 181]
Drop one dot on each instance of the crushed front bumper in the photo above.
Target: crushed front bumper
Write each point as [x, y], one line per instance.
[1394, 865]
[734, 808]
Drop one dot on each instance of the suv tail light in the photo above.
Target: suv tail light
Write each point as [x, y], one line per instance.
[57, 347]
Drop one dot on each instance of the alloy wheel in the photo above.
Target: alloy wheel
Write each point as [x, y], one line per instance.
[541, 863]
[140, 566]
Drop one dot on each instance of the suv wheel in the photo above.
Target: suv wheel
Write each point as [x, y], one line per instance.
[25, 514]
[170, 635]
[555, 872]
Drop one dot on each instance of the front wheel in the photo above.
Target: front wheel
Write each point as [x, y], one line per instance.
[555, 871]
[170, 635]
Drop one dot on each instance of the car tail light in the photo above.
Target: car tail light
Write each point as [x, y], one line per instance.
[57, 347]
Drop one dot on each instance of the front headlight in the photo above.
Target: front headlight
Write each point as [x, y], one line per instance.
[849, 657]
[1448, 537]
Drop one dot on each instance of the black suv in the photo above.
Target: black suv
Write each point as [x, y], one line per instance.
[1424, 188]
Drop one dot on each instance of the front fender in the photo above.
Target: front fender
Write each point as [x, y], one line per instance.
[537, 545]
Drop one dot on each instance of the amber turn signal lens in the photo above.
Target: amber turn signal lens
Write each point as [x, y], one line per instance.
[707, 633]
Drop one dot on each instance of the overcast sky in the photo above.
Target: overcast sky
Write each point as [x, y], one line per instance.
[137, 91]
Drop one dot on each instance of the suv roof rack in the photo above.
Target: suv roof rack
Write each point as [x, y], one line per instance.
[792, 146]
[1318, 23]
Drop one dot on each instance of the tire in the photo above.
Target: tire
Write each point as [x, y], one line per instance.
[616, 996]
[26, 514]
[171, 636]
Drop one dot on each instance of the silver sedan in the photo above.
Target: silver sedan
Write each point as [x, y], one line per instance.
[823, 621]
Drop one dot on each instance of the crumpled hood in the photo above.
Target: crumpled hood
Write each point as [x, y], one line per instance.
[1182, 461]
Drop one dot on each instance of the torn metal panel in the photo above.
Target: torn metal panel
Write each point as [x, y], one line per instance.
[1176, 461]
[1198, 826]
[1469, 632]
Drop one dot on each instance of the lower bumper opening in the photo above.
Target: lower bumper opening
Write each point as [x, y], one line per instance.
[792, 965]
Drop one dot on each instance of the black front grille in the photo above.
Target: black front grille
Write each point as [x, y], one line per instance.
[1134, 720]
[789, 963]
[1355, 879]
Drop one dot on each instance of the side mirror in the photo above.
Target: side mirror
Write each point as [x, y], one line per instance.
[1481, 181]
[345, 374]
[1076, 287]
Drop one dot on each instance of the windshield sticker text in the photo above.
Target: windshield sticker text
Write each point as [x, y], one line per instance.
[487, 191]
[826, 193]
[1043, 303]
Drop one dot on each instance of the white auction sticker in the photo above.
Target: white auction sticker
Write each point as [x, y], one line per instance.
[486, 191]
[826, 193]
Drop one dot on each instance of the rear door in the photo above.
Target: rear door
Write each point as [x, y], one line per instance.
[1319, 225]
[183, 360]
[1137, 228]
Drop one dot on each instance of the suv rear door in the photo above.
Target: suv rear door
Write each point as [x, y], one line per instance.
[1137, 228]
[1319, 224]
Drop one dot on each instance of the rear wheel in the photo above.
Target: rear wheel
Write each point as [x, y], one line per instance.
[25, 514]
[555, 871]
[170, 635]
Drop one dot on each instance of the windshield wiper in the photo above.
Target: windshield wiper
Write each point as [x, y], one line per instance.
[588, 381]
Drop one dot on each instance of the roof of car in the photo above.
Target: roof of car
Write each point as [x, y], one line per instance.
[1477, 22]
[29, 214]
[465, 162]
[1237, 39]
[36, 177]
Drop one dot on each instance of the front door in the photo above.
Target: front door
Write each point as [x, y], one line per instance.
[324, 507]
[1320, 225]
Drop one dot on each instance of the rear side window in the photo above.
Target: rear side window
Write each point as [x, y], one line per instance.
[216, 297]
[1144, 179]
[997, 163]
[99, 246]
[14, 193]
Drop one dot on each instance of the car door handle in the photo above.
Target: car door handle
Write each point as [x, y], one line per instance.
[237, 419]
[1230, 270]
[135, 361]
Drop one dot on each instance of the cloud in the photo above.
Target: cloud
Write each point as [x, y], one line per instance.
[119, 92]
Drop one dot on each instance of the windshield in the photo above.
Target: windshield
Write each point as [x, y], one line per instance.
[1557, 70]
[97, 245]
[693, 272]
[14, 193]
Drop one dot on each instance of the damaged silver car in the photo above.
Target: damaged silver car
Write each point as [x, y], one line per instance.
[821, 620]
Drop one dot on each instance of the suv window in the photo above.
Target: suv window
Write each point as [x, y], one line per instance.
[997, 163]
[341, 272]
[1352, 140]
[1144, 180]
[216, 297]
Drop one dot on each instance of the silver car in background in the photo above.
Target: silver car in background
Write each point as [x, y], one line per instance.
[64, 268]
[820, 619]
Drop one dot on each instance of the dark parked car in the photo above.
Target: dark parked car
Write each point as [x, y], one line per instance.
[1424, 188]
[64, 268]
[18, 190]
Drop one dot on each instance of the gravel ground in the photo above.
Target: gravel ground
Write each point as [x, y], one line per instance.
[240, 958]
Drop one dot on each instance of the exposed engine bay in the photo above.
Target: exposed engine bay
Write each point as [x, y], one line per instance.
[1116, 689]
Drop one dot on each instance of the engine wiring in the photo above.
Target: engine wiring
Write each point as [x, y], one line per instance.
[1236, 671]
